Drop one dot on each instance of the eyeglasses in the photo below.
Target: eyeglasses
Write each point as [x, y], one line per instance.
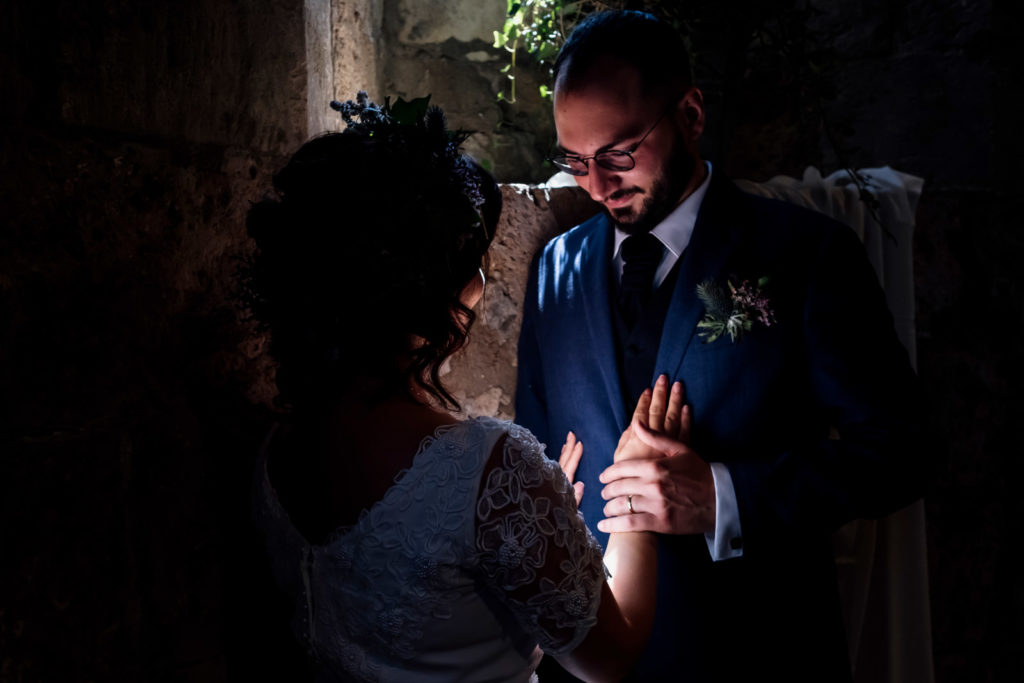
[610, 159]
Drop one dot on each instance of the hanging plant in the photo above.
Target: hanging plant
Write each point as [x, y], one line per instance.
[539, 27]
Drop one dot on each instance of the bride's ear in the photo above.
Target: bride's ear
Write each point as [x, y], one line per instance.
[474, 290]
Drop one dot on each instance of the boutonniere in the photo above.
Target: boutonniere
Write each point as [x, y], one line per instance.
[734, 309]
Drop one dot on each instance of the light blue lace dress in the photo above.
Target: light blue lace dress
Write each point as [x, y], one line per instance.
[465, 565]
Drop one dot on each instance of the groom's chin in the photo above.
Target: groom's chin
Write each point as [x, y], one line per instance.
[623, 218]
[628, 221]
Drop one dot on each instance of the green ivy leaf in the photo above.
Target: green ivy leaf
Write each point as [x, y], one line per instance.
[546, 51]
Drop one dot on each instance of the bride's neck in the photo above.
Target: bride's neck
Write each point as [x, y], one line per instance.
[373, 399]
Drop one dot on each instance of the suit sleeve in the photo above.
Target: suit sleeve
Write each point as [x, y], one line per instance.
[862, 382]
[530, 402]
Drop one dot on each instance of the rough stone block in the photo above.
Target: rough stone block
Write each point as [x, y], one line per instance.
[483, 375]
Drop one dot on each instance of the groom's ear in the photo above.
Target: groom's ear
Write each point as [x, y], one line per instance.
[690, 114]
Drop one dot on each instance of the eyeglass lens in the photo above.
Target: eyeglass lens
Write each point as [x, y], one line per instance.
[612, 159]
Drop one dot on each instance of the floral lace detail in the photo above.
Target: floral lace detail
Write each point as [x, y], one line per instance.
[369, 595]
[410, 542]
[535, 549]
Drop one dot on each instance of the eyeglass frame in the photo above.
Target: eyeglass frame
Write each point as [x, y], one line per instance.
[628, 153]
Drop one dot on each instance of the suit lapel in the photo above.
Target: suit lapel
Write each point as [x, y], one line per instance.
[592, 265]
[704, 258]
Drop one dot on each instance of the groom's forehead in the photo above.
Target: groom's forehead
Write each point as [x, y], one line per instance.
[598, 118]
[607, 76]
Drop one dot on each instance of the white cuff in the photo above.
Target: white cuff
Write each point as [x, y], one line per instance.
[726, 541]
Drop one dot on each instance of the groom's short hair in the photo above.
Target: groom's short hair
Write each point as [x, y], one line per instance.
[638, 39]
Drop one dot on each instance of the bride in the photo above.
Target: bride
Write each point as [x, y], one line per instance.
[417, 547]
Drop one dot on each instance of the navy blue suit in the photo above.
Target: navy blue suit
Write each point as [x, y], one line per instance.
[763, 406]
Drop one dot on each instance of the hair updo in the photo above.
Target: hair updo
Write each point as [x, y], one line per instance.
[373, 234]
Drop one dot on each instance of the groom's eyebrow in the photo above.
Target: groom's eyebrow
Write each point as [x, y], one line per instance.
[603, 148]
[561, 148]
[616, 144]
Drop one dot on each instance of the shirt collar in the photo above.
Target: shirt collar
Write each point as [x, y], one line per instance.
[676, 229]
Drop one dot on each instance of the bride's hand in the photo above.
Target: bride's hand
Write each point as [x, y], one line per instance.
[569, 460]
[660, 412]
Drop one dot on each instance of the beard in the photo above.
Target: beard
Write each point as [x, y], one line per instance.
[661, 199]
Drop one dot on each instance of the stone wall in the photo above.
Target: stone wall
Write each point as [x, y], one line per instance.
[482, 376]
[134, 137]
[444, 48]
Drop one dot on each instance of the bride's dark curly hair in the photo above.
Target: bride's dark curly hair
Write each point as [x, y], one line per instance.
[373, 234]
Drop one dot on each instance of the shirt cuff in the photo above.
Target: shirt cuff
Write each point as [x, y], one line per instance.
[726, 541]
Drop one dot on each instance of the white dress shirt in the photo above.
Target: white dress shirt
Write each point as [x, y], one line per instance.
[674, 233]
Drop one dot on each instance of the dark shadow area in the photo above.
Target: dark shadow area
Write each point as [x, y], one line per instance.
[133, 398]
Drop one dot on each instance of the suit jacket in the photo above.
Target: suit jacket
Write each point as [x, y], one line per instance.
[764, 406]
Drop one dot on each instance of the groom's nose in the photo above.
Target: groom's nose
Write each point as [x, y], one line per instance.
[599, 182]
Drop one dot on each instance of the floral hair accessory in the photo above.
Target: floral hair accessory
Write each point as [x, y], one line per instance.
[392, 122]
[734, 310]
[370, 114]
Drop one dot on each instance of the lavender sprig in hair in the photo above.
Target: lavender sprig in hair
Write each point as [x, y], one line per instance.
[368, 113]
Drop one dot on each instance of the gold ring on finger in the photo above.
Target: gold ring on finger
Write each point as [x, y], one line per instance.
[629, 503]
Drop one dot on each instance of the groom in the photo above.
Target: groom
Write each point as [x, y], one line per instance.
[803, 399]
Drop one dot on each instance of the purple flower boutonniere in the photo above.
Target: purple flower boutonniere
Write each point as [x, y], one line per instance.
[734, 310]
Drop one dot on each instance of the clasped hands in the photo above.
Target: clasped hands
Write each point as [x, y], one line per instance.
[656, 482]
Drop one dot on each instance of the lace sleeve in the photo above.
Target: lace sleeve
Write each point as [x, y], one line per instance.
[535, 552]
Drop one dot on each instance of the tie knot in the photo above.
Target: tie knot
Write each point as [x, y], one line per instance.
[641, 255]
[642, 250]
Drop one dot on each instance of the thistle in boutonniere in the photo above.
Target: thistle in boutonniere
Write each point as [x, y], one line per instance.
[734, 310]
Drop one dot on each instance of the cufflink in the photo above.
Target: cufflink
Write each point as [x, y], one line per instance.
[736, 542]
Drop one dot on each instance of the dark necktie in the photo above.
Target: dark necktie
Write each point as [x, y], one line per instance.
[641, 255]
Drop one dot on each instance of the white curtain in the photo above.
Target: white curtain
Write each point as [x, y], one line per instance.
[882, 564]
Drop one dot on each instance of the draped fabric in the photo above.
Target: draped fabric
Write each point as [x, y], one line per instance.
[882, 564]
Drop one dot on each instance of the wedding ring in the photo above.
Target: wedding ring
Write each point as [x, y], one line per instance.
[629, 502]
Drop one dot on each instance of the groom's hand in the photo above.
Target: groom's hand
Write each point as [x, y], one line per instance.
[673, 494]
[657, 482]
